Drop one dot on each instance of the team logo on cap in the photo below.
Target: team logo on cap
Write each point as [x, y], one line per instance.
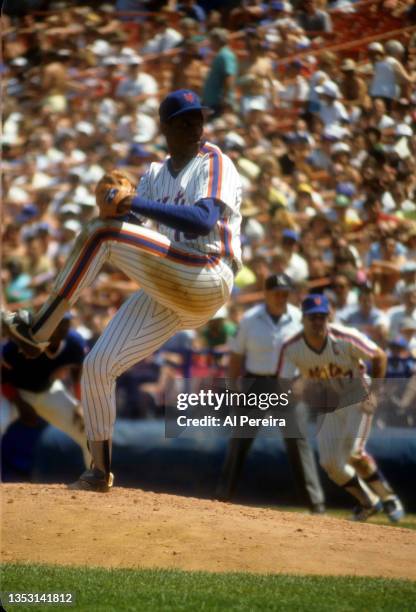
[189, 97]
[318, 301]
[110, 195]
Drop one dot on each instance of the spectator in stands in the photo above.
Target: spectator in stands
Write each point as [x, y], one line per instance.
[165, 36]
[379, 119]
[366, 317]
[35, 262]
[257, 78]
[191, 9]
[407, 276]
[389, 72]
[331, 110]
[353, 88]
[294, 89]
[138, 86]
[344, 214]
[190, 69]
[248, 12]
[400, 363]
[374, 219]
[218, 330]
[304, 207]
[297, 148]
[312, 19]
[408, 331]
[278, 24]
[297, 267]
[260, 267]
[219, 87]
[17, 283]
[385, 260]
[343, 298]
[405, 311]
[326, 69]
[55, 82]
[134, 125]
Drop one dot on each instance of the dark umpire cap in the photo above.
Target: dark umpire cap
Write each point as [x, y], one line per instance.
[315, 303]
[179, 102]
[278, 281]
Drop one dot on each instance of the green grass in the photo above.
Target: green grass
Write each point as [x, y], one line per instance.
[122, 590]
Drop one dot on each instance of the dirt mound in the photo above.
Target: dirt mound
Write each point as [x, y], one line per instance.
[133, 528]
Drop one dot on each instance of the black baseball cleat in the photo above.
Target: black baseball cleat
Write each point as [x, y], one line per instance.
[223, 492]
[93, 480]
[362, 513]
[17, 327]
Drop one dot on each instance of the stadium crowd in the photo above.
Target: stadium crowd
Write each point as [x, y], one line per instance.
[323, 132]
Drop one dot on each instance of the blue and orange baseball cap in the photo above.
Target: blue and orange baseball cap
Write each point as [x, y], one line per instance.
[178, 102]
[315, 303]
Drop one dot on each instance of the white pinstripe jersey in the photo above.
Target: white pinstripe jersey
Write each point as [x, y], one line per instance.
[341, 357]
[210, 174]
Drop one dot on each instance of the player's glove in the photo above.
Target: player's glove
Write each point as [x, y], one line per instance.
[110, 192]
[321, 396]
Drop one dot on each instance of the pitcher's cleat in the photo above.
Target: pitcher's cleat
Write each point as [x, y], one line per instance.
[362, 513]
[93, 480]
[17, 327]
[394, 509]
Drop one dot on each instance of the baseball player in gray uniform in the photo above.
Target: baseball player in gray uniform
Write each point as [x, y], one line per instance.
[324, 351]
[185, 269]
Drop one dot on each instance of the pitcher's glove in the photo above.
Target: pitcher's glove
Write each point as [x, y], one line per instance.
[111, 190]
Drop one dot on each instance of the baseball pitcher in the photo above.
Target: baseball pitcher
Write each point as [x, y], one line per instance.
[185, 269]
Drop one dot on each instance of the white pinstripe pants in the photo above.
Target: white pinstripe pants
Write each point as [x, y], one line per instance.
[342, 433]
[181, 288]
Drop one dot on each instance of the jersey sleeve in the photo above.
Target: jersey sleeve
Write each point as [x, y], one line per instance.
[360, 346]
[286, 366]
[218, 179]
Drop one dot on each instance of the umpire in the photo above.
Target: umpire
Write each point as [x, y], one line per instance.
[255, 353]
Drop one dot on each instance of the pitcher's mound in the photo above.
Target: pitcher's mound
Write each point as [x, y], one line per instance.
[133, 528]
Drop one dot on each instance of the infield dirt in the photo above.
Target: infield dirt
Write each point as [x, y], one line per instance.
[134, 528]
